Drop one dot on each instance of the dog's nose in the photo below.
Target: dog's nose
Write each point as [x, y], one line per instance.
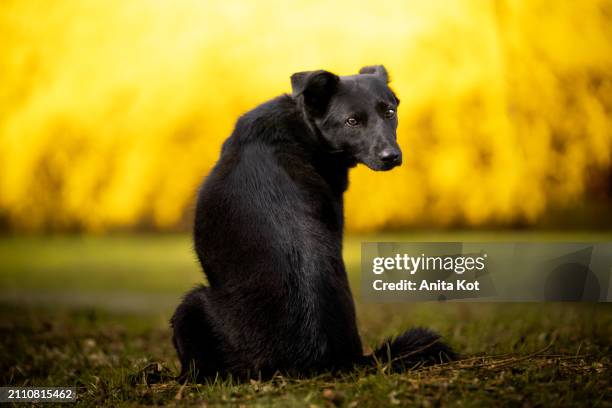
[389, 155]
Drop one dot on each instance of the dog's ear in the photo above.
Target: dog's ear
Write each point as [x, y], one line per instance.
[378, 70]
[316, 87]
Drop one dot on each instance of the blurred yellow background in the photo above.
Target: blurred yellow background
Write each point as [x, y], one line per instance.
[111, 112]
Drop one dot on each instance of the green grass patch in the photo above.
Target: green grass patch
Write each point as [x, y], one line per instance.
[93, 313]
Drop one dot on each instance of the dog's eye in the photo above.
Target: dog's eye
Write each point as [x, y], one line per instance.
[389, 113]
[352, 122]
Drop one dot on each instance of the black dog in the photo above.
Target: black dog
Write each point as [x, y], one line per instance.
[268, 233]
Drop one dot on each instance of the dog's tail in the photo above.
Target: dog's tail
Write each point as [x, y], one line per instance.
[414, 348]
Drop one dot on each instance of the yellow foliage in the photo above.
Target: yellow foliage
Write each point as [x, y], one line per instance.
[111, 112]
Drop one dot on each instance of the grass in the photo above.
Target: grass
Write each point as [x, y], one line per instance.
[92, 313]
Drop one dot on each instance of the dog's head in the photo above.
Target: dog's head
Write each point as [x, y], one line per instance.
[355, 114]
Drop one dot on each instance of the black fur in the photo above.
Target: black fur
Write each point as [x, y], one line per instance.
[268, 233]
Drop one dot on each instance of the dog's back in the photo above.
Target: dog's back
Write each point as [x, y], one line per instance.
[268, 233]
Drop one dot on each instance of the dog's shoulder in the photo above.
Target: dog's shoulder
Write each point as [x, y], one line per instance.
[274, 121]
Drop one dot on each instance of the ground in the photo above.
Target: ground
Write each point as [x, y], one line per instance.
[92, 312]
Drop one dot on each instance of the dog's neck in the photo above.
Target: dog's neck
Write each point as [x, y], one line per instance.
[315, 134]
[332, 164]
